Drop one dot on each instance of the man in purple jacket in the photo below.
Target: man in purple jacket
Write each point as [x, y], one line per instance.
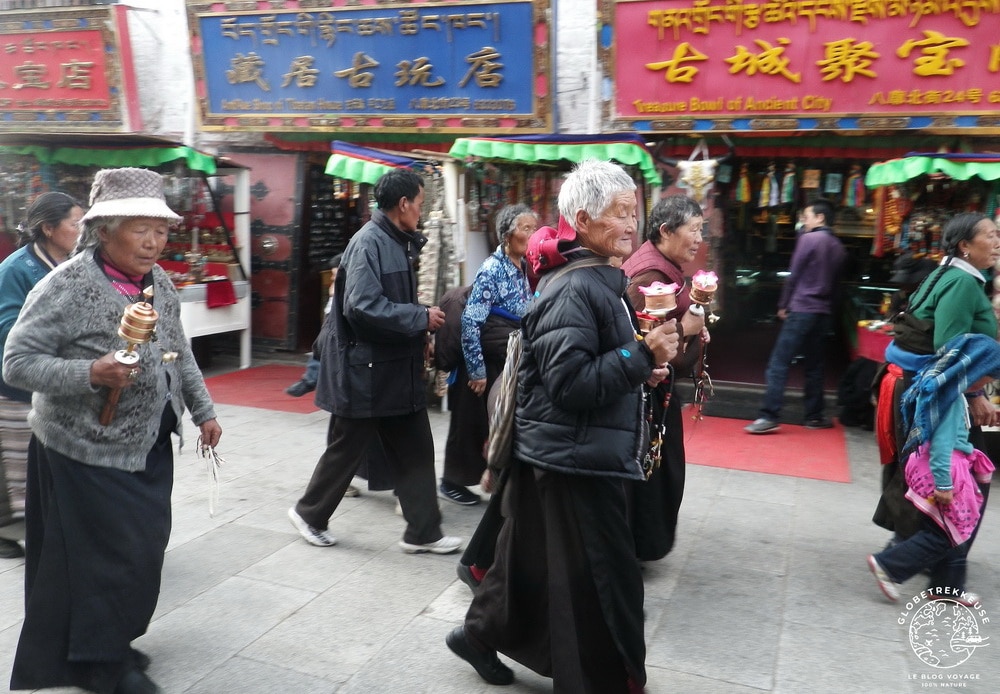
[806, 305]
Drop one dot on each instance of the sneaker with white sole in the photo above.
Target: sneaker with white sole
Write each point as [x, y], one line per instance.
[761, 426]
[457, 494]
[446, 545]
[888, 586]
[314, 536]
[966, 598]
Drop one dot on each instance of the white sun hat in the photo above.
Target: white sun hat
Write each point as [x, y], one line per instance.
[128, 192]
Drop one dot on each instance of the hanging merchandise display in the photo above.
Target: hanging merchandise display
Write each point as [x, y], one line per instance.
[915, 195]
[366, 165]
[529, 169]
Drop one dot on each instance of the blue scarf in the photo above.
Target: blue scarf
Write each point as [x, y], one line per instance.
[964, 359]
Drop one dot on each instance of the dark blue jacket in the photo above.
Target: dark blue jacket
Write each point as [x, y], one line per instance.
[579, 403]
[372, 346]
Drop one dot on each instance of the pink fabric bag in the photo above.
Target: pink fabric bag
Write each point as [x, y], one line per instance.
[959, 518]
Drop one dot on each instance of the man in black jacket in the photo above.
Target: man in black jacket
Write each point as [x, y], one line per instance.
[371, 378]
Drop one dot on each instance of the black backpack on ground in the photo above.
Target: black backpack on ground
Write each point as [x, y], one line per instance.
[854, 394]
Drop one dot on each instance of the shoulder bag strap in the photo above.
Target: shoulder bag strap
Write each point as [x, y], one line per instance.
[589, 261]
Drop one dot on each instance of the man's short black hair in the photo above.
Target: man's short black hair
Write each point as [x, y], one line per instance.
[824, 207]
[396, 185]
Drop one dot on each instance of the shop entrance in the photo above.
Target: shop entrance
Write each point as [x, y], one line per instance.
[757, 203]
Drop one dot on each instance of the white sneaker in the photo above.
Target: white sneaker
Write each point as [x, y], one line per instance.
[761, 426]
[888, 586]
[320, 538]
[446, 545]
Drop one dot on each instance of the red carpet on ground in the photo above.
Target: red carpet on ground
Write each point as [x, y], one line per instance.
[794, 451]
[262, 387]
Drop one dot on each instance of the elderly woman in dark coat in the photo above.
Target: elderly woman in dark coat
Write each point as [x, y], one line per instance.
[98, 506]
[564, 595]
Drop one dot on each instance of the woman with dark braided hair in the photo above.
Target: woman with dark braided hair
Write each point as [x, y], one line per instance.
[47, 237]
[954, 298]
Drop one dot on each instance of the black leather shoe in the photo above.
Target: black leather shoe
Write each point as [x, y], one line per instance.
[136, 682]
[486, 663]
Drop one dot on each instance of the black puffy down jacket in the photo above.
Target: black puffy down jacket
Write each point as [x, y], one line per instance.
[579, 400]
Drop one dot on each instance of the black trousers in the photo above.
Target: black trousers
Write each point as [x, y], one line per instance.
[95, 543]
[409, 452]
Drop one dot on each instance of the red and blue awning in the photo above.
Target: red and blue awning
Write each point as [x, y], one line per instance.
[363, 164]
[628, 149]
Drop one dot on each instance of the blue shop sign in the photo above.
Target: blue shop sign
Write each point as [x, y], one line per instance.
[440, 61]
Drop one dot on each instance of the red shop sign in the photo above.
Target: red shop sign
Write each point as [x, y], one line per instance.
[61, 70]
[729, 59]
[69, 69]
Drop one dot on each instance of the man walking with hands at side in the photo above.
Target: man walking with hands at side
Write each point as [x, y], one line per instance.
[371, 378]
[807, 302]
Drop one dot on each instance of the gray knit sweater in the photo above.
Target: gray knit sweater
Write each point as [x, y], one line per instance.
[69, 320]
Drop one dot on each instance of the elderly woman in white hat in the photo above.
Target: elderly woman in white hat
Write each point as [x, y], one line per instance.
[98, 495]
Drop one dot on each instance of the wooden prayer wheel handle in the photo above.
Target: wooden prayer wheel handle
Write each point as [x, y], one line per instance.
[110, 405]
[122, 356]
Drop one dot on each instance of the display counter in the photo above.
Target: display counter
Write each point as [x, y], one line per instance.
[199, 319]
[872, 343]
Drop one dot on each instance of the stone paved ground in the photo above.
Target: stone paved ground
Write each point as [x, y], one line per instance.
[767, 590]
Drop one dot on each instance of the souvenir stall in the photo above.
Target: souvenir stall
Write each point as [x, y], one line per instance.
[207, 254]
[913, 197]
[530, 169]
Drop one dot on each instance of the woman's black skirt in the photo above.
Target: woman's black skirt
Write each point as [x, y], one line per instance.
[95, 540]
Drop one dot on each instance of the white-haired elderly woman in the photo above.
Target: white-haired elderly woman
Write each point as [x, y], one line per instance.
[98, 496]
[497, 300]
[564, 596]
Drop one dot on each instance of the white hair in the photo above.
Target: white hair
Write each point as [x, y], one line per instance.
[592, 187]
[89, 228]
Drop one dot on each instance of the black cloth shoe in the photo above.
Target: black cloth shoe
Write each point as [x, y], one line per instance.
[819, 423]
[300, 388]
[486, 663]
[458, 494]
[140, 659]
[136, 682]
[10, 549]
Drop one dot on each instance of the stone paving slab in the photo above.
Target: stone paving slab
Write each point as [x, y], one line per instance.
[765, 591]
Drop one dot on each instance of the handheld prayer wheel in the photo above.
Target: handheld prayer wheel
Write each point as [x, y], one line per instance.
[136, 328]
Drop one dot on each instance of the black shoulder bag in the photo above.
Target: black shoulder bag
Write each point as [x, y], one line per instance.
[914, 334]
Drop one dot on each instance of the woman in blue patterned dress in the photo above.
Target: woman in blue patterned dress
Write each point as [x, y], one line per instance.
[498, 299]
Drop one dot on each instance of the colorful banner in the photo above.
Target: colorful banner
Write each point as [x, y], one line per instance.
[63, 69]
[826, 61]
[406, 67]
